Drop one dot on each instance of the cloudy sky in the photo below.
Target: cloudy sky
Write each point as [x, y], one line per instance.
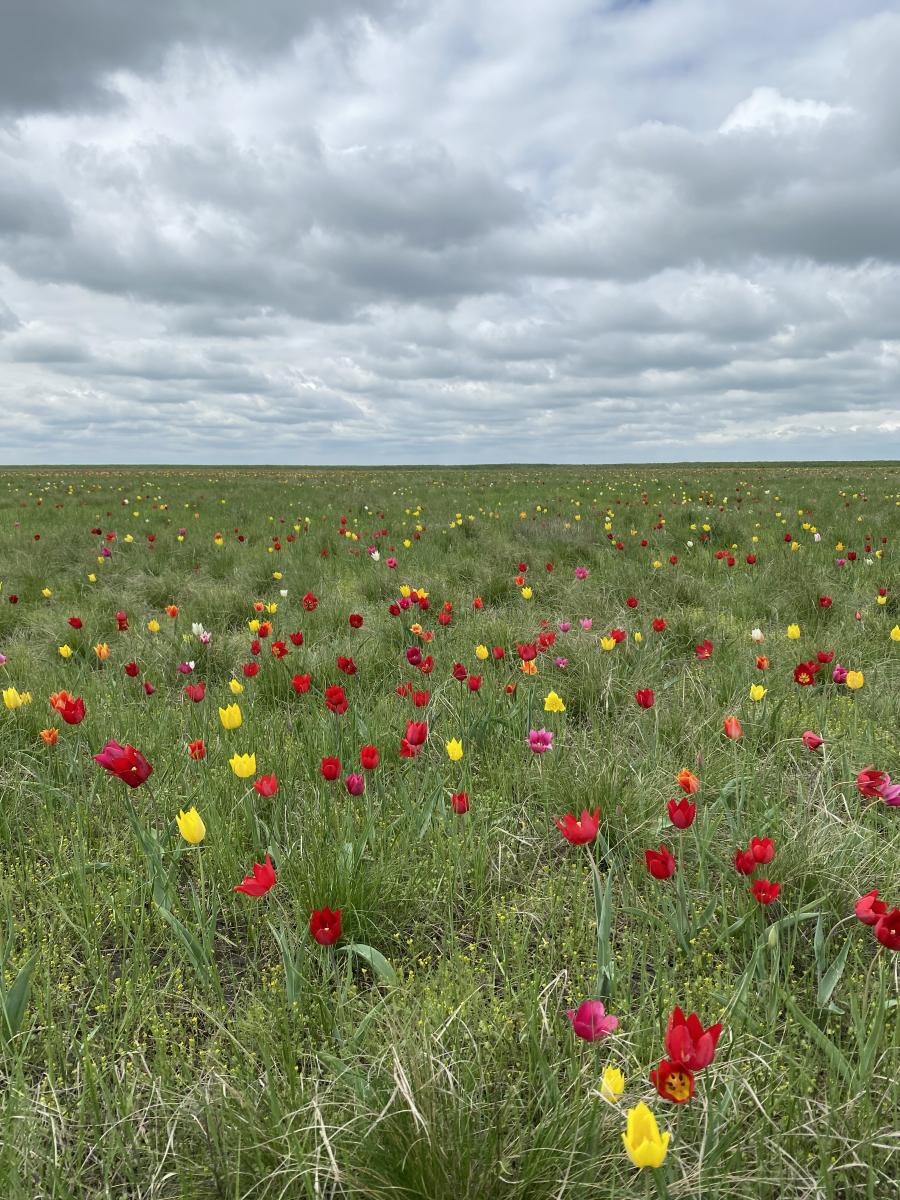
[400, 231]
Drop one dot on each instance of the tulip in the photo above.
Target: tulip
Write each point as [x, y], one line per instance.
[591, 1022]
[608, 643]
[682, 812]
[855, 680]
[459, 802]
[895, 634]
[612, 1084]
[12, 698]
[236, 687]
[481, 653]
[764, 891]
[191, 827]
[102, 651]
[811, 740]
[243, 765]
[757, 691]
[368, 757]
[660, 863]
[732, 727]
[65, 651]
[757, 635]
[762, 849]
[266, 785]
[687, 781]
[539, 740]
[553, 703]
[744, 862]
[869, 908]
[454, 749]
[642, 1140]
[355, 784]
[688, 1042]
[195, 692]
[261, 881]
[231, 717]
[887, 929]
[793, 632]
[197, 750]
[125, 763]
[336, 699]
[325, 926]
[579, 831]
[645, 697]
[674, 1081]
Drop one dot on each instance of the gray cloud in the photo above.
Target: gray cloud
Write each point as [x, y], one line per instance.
[451, 231]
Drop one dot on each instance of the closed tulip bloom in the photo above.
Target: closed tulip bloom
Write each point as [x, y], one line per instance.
[869, 908]
[125, 763]
[368, 757]
[230, 717]
[459, 802]
[757, 691]
[553, 703]
[682, 812]
[645, 697]
[688, 1042]
[580, 831]
[454, 749]
[895, 634]
[243, 765]
[793, 632]
[416, 733]
[191, 827]
[261, 881]
[744, 862]
[644, 1144]
[331, 768]
[811, 740]
[195, 692]
[65, 651]
[660, 863]
[12, 698]
[612, 1084]
[266, 785]
[236, 687]
[687, 781]
[102, 651]
[325, 926]
[481, 653]
[355, 784]
[855, 680]
[590, 1021]
[70, 708]
[762, 849]
[732, 728]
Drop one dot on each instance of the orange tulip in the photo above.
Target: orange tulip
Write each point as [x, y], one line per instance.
[732, 727]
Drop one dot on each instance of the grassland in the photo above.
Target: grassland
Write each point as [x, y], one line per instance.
[179, 1039]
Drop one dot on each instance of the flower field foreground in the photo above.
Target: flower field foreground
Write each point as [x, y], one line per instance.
[449, 833]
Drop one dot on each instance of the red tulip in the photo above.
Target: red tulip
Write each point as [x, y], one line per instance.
[764, 891]
[347, 665]
[762, 849]
[125, 763]
[673, 1081]
[688, 1042]
[460, 802]
[325, 926]
[645, 697]
[75, 622]
[687, 781]
[474, 683]
[335, 699]
[579, 831]
[296, 638]
[195, 692]
[870, 909]
[416, 732]
[887, 929]
[355, 621]
[132, 670]
[368, 757]
[331, 768]
[659, 624]
[300, 684]
[811, 740]
[732, 728]
[660, 863]
[870, 782]
[682, 812]
[266, 785]
[261, 881]
[744, 862]
[197, 750]
[704, 650]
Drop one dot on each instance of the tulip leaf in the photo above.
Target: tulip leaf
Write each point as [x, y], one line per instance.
[14, 1001]
[824, 1042]
[291, 961]
[832, 976]
[376, 960]
[606, 966]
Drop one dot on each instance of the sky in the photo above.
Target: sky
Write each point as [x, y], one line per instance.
[449, 231]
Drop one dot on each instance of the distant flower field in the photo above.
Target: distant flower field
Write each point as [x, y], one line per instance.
[450, 833]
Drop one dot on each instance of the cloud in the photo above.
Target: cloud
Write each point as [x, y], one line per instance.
[434, 232]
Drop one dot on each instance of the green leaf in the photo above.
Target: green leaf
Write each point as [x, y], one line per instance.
[831, 978]
[293, 976]
[376, 960]
[606, 967]
[14, 1002]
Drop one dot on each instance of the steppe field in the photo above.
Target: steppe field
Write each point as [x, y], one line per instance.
[454, 833]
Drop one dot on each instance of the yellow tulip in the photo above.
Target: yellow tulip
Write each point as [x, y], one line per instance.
[638, 636]
[12, 699]
[612, 1085]
[405, 589]
[230, 717]
[92, 578]
[454, 749]
[608, 643]
[46, 593]
[191, 827]
[481, 652]
[243, 765]
[277, 575]
[153, 625]
[65, 651]
[643, 1142]
[528, 668]
[553, 703]
[527, 593]
[793, 632]
[881, 599]
[253, 625]
[855, 680]
[102, 651]
[236, 688]
[895, 634]
[757, 691]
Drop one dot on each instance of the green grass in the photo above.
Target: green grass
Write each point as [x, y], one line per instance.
[218, 1051]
